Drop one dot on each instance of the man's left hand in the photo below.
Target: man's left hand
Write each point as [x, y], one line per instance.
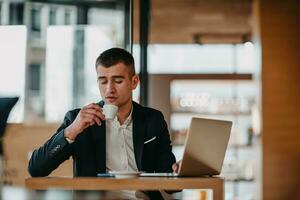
[176, 166]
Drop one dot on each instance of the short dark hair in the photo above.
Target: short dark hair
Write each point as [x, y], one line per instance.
[114, 56]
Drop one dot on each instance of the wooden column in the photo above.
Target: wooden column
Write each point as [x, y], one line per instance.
[280, 44]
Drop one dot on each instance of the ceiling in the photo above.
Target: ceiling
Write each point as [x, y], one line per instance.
[197, 21]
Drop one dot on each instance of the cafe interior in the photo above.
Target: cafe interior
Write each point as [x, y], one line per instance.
[234, 60]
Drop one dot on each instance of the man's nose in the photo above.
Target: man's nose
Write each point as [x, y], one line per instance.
[110, 87]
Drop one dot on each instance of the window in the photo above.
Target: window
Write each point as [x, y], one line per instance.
[67, 17]
[35, 76]
[16, 10]
[12, 67]
[55, 62]
[70, 70]
[52, 16]
[0, 13]
[36, 20]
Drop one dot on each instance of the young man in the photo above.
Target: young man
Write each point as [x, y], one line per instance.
[136, 140]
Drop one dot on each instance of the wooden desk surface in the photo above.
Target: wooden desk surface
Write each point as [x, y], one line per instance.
[143, 183]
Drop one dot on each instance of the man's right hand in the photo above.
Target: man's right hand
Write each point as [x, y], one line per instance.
[87, 116]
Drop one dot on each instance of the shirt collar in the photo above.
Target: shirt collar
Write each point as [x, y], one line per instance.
[127, 121]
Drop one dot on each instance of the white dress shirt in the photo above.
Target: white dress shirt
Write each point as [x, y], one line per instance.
[120, 152]
[119, 145]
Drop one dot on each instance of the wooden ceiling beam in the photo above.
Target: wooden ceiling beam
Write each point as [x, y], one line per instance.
[177, 21]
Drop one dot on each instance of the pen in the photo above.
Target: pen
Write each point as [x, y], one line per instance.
[105, 175]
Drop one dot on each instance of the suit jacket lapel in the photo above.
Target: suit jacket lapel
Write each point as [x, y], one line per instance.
[99, 138]
[138, 134]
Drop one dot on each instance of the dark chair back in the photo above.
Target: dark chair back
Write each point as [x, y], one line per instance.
[6, 104]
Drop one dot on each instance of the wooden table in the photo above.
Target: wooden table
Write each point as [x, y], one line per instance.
[143, 183]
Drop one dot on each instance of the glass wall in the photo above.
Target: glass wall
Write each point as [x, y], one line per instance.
[56, 45]
[195, 58]
[12, 66]
[73, 87]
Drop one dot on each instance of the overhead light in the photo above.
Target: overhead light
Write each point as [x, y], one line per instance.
[248, 44]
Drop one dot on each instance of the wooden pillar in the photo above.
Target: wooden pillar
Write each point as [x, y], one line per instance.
[280, 47]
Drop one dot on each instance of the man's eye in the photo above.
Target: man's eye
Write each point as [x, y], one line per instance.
[118, 80]
[103, 82]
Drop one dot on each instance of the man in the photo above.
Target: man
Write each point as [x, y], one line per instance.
[136, 140]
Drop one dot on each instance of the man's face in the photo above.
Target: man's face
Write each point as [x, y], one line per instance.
[115, 84]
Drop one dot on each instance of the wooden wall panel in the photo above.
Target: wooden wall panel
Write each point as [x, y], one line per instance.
[280, 43]
[177, 21]
[19, 142]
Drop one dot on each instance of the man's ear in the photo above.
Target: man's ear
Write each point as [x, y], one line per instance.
[135, 81]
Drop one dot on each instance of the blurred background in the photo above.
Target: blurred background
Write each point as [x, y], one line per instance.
[225, 59]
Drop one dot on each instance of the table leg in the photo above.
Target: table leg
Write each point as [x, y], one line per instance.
[218, 191]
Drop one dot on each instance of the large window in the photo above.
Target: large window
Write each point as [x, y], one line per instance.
[53, 53]
[12, 67]
[75, 83]
[194, 58]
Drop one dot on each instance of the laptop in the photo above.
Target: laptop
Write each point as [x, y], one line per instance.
[204, 150]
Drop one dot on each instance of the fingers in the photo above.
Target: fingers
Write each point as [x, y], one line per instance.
[175, 167]
[93, 106]
[87, 116]
[95, 113]
[90, 119]
[95, 110]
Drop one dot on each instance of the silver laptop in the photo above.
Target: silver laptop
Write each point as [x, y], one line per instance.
[204, 149]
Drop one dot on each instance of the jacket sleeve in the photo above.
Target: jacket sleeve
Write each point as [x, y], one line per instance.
[54, 152]
[165, 157]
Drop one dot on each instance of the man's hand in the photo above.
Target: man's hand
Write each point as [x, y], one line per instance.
[87, 116]
[176, 166]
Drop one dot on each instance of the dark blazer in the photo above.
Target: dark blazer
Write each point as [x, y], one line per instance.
[88, 150]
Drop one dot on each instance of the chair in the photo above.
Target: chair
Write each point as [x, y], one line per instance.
[6, 104]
